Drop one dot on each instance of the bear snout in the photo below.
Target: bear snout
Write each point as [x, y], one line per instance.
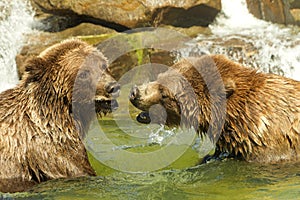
[134, 94]
[113, 88]
[144, 117]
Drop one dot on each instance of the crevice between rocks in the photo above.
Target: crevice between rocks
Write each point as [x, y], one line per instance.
[59, 20]
[199, 15]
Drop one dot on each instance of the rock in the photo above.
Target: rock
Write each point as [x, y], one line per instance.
[239, 49]
[235, 47]
[295, 10]
[128, 61]
[5, 8]
[192, 31]
[199, 14]
[85, 29]
[276, 11]
[126, 14]
[296, 15]
[294, 3]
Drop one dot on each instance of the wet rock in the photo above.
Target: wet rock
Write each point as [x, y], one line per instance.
[126, 62]
[55, 23]
[148, 47]
[276, 11]
[295, 10]
[296, 15]
[124, 14]
[195, 15]
[5, 8]
[294, 4]
[192, 31]
[237, 48]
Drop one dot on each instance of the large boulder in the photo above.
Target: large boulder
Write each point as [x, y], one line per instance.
[295, 10]
[125, 14]
[277, 11]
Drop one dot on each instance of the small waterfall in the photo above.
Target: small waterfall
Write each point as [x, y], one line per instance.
[277, 45]
[274, 48]
[16, 19]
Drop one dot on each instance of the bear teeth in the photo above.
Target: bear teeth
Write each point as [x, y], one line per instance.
[105, 106]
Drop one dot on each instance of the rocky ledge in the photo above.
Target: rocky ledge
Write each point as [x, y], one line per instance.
[127, 14]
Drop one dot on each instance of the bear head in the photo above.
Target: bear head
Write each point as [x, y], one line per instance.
[191, 93]
[72, 75]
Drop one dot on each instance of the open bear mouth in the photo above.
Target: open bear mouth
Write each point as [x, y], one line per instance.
[106, 106]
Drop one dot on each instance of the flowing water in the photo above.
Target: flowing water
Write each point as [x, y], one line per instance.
[268, 47]
[174, 173]
[16, 19]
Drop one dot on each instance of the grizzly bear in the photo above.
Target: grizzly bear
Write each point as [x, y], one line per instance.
[249, 115]
[44, 118]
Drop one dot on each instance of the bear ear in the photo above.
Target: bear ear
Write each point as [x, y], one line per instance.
[229, 85]
[34, 68]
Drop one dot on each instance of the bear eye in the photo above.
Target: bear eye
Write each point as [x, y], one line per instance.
[104, 66]
[164, 95]
[83, 75]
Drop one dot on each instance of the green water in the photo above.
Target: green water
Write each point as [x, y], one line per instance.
[217, 180]
[182, 179]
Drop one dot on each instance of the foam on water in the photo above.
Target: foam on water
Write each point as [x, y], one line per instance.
[16, 18]
[235, 18]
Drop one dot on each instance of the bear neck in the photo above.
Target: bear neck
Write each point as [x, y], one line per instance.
[49, 105]
[46, 97]
[83, 115]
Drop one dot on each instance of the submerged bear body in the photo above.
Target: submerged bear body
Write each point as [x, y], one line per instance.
[250, 115]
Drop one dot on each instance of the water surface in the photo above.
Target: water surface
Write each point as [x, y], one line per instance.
[228, 179]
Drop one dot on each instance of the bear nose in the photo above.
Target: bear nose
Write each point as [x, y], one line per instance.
[113, 88]
[134, 93]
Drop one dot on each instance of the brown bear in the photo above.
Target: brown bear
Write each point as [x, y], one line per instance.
[250, 115]
[44, 118]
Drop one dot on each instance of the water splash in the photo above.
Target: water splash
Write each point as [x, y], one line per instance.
[16, 18]
[263, 45]
[235, 18]
[160, 136]
[277, 45]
